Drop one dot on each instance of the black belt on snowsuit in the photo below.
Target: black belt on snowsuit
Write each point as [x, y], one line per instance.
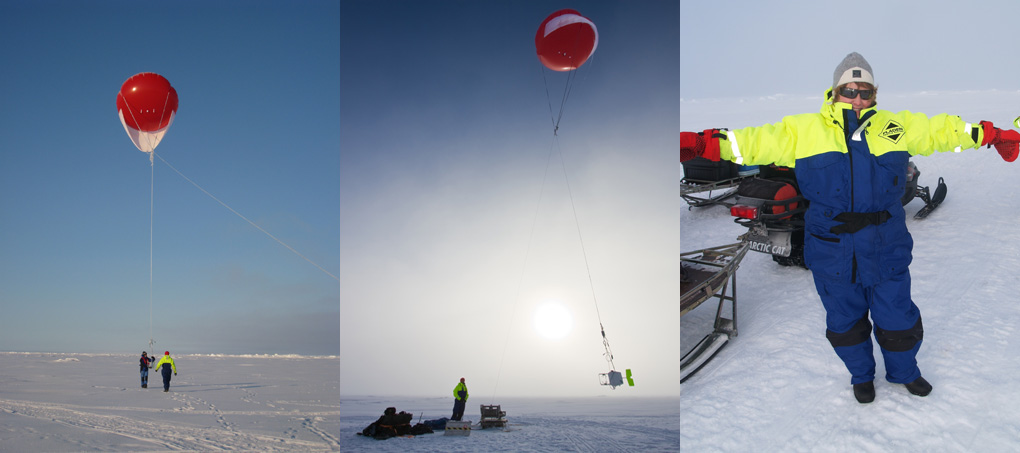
[856, 221]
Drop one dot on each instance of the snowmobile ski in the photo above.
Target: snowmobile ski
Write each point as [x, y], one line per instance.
[933, 201]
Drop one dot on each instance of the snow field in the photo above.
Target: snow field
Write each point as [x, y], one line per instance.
[81, 402]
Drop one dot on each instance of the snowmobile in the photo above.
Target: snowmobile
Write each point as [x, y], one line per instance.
[772, 208]
[767, 201]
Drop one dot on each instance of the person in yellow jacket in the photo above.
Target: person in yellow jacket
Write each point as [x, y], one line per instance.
[460, 396]
[166, 365]
[850, 161]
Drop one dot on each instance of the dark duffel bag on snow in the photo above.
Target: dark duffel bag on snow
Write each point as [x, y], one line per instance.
[391, 424]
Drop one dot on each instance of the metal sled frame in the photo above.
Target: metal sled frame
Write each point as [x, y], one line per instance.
[492, 417]
[709, 273]
[692, 191]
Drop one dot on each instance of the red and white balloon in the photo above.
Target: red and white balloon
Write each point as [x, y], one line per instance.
[566, 40]
[146, 105]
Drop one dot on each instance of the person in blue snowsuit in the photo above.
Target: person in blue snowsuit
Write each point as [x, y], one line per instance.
[144, 363]
[165, 366]
[850, 160]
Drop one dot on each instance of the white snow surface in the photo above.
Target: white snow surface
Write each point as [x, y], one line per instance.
[94, 402]
[777, 386]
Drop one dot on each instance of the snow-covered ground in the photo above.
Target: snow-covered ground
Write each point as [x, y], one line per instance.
[776, 387]
[94, 402]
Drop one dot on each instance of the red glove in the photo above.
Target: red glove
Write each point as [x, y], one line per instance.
[691, 146]
[1006, 142]
[700, 144]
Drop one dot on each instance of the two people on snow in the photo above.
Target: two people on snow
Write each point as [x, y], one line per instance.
[165, 366]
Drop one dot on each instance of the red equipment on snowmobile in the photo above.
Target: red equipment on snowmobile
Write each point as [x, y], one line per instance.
[769, 204]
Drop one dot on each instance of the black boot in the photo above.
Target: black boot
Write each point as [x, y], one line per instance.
[919, 387]
[865, 392]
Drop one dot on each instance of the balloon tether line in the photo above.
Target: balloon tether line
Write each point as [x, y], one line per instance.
[555, 120]
[152, 197]
[520, 282]
[584, 253]
[313, 263]
[152, 191]
[577, 223]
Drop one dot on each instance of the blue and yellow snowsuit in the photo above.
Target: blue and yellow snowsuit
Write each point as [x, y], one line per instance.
[165, 365]
[856, 244]
[460, 396]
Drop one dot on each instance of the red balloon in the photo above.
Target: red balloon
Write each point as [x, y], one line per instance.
[566, 40]
[148, 101]
[147, 105]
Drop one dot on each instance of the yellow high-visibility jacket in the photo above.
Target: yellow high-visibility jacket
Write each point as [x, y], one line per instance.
[456, 391]
[166, 359]
[846, 164]
[806, 135]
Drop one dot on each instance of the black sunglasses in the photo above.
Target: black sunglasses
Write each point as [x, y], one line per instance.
[851, 93]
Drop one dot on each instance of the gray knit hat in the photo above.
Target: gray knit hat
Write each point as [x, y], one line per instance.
[853, 68]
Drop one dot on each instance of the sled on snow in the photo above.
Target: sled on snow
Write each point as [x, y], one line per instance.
[707, 274]
[457, 428]
[492, 417]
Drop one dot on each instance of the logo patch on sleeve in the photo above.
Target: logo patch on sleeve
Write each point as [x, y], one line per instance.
[892, 132]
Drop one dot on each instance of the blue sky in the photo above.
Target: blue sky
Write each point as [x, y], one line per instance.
[457, 224]
[257, 128]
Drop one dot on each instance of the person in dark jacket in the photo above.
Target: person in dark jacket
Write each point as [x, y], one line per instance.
[165, 365]
[850, 161]
[460, 396]
[144, 363]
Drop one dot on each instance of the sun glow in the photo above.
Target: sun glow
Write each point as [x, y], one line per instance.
[552, 321]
